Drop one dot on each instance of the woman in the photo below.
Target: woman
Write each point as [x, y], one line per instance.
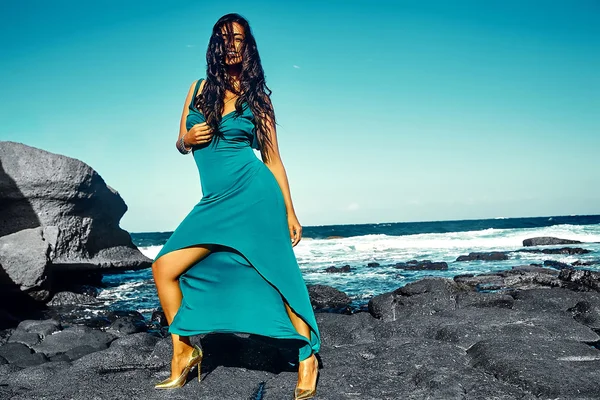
[230, 266]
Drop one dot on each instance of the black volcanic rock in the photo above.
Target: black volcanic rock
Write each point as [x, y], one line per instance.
[484, 256]
[434, 338]
[581, 279]
[518, 277]
[556, 264]
[423, 297]
[558, 368]
[334, 269]
[547, 240]
[323, 296]
[562, 250]
[422, 265]
[580, 263]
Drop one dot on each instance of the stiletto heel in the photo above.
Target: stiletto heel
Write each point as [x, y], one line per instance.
[195, 360]
[303, 394]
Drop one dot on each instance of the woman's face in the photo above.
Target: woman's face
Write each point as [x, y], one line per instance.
[233, 50]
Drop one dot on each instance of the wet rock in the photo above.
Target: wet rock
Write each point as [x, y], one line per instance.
[562, 250]
[334, 269]
[485, 256]
[580, 263]
[556, 264]
[422, 265]
[547, 240]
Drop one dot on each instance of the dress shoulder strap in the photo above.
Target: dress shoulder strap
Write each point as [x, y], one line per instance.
[198, 82]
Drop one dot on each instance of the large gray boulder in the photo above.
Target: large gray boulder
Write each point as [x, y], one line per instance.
[24, 262]
[65, 218]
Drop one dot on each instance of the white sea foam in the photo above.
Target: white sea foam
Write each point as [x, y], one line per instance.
[150, 251]
[313, 254]
[433, 246]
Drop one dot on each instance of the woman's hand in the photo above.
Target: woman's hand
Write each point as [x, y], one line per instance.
[295, 229]
[198, 134]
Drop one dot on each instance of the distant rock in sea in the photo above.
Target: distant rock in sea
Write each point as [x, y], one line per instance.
[548, 240]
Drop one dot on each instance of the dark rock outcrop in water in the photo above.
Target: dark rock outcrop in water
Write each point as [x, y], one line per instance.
[334, 269]
[415, 265]
[58, 218]
[562, 250]
[486, 256]
[547, 240]
[323, 297]
[536, 337]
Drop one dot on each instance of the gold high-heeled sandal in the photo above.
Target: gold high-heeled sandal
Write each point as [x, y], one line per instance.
[195, 359]
[303, 394]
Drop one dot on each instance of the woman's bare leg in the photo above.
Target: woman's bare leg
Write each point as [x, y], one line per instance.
[307, 368]
[166, 271]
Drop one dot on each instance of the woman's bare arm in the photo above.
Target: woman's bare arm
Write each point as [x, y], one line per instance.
[275, 164]
[184, 114]
[199, 133]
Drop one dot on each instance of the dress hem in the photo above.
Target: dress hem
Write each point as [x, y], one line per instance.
[283, 298]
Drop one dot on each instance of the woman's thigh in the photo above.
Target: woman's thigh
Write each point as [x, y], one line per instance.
[176, 262]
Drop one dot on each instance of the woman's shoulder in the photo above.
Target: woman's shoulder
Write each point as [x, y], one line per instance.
[196, 89]
[202, 83]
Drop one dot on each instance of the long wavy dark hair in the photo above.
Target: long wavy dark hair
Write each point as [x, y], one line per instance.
[253, 89]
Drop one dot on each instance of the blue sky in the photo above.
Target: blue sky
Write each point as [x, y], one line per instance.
[389, 111]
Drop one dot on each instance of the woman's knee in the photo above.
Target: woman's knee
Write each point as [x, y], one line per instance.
[160, 270]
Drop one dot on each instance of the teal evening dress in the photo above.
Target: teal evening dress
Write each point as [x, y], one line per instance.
[241, 286]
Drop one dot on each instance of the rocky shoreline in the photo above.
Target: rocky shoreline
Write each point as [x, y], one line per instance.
[534, 335]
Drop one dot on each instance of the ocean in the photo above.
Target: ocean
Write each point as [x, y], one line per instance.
[385, 244]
